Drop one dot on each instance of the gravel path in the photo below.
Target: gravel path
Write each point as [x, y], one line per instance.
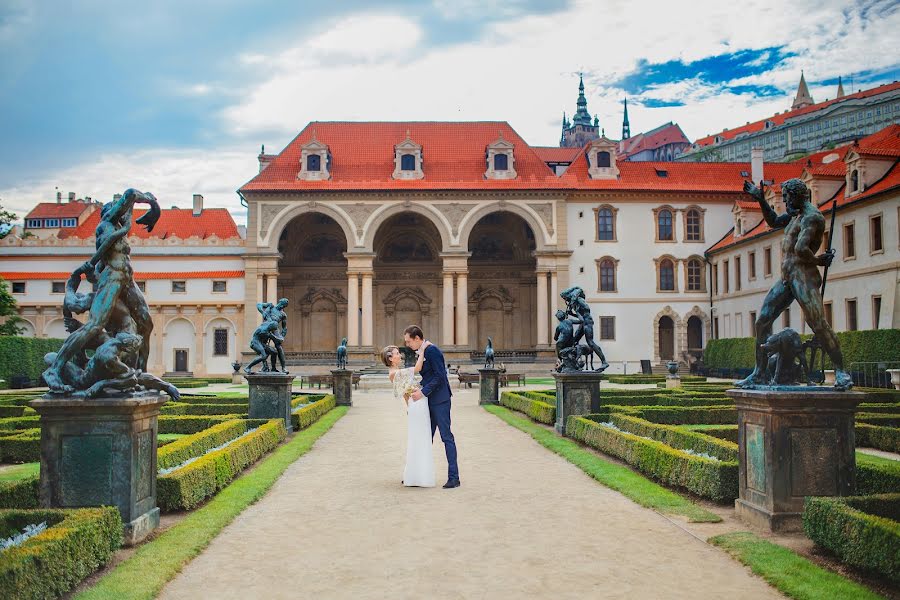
[524, 524]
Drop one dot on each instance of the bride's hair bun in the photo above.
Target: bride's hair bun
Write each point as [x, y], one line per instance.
[387, 353]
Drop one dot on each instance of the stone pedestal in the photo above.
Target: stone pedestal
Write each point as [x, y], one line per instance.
[343, 387]
[489, 386]
[237, 378]
[270, 396]
[102, 452]
[895, 378]
[576, 394]
[829, 377]
[673, 382]
[793, 444]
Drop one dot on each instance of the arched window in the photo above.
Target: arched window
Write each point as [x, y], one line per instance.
[313, 162]
[694, 226]
[606, 225]
[407, 162]
[607, 275]
[664, 225]
[854, 181]
[501, 162]
[603, 159]
[666, 275]
[695, 275]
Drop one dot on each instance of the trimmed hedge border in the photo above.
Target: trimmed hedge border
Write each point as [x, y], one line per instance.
[862, 531]
[175, 453]
[880, 438]
[716, 480]
[885, 420]
[188, 486]
[680, 439]
[189, 424]
[664, 400]
[308, 415]
[23, 447]
[20, 494]
[723, 432]
[19, 423]
[53, 562]
[881, 477]
[678, 415]
[24, 356]
[534, 409]
[184, 408]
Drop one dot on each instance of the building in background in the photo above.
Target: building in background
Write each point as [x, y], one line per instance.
[49, 219]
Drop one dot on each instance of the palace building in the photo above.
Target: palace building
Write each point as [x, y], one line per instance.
[461, 227]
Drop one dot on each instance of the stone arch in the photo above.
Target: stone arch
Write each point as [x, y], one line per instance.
[473, 217]
[667, 311]
[179, 334]
[380, 217]
[706, 322]
[27, 328]
[323, 314]
[219, 364]
[56, 329]
[491, 311]
[282, 219]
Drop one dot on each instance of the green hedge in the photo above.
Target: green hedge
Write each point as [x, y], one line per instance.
[23, 493]
[183, 408]
[172, 455]
[535, 409]
[889, 408]
[213, 399]
[680, 415]
[873, 345]
[188, 486]
[24, 355]
[680, 439]
[723, 432]
[648, 379]
[308, 415]
[880, 438]
[663, 400]
[540, 396]
[19, 423]
[874, 476]
[191, 423]
[24, 446]
[74, 545]
[861, 531]
[884, 420]
[716, 480]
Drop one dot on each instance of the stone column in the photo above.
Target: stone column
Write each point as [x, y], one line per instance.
[542, 320]
[260, 282]
[272, 288]
[368, 319]
[554, 303]
[447, 311]
[352, 309]
[462, 309]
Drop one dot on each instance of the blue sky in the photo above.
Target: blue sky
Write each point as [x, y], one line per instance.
[177, 97]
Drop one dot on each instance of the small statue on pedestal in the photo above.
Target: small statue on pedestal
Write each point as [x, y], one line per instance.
[342, 354]
[577, 312]
[489, 354]
[274, 313]
[265, 333]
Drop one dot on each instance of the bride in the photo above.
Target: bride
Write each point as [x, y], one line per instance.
[419, 471]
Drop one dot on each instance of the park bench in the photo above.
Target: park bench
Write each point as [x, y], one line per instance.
[468, 378]
[507, 378]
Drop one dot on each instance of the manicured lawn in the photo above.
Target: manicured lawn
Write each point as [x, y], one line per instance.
[789, 572]
[620, 478]
[145, 573]
[170, 437]
[868, 459]
[540, 381]
[19, 472]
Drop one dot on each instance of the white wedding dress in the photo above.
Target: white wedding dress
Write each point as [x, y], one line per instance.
[419, 471]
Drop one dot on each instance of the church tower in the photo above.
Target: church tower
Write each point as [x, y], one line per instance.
[626, 126]
[802, 99]
[581, 130]
[840, 92]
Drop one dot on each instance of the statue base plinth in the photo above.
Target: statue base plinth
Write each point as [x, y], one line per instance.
[576, 394]
[270, 396]
[102, 452]
[342, 387]
[792, 444]
[489, 386]
[673, 382]
[237, 378]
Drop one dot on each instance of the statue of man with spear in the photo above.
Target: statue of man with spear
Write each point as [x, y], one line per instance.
[804, 226]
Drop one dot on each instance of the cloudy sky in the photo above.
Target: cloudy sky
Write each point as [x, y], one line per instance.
[176, 96]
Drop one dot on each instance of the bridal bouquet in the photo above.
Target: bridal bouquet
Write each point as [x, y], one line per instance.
[410, 389]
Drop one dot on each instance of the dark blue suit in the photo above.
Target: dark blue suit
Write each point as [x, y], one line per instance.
[437, 388]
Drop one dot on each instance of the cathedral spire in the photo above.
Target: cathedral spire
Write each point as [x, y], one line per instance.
[803, 98]
[582, 116]
[626, 126]
[840, 92]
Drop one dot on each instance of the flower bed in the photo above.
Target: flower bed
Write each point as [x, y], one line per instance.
[707, 477]
[862, 531]
[186, 487]
[536, 410]
[307, 415]
[51, 563]
[195, 445]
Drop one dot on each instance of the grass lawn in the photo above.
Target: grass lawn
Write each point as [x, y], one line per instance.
[540, 381]
[622, 479]
[145, 573]
[789, 572]
[868, 459]
[170, 437]
[19, 472]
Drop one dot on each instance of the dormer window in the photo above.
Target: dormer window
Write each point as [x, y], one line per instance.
[315, 163]
[854, 181]
[408, 160]
[501, 161]
[601, 157]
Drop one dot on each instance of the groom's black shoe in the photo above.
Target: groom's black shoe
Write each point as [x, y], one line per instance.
[452, 483]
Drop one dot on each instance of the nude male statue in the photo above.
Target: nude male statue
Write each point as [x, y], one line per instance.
[804, 227]
[275, 313]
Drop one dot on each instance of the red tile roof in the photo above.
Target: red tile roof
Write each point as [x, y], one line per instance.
[52, 210]
[781, 118]
[882, 143]
[555, 154]
[139, 275]
[669, 133]
[748, 205]
[179, 222]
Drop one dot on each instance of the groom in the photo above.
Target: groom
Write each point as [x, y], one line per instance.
[436, 388]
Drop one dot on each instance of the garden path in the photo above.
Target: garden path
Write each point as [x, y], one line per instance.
[524, 524]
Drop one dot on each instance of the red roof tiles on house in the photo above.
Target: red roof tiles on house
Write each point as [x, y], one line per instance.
[555, 154]
[178, 222]
[882, 143]
[52, 210]
[669, 133]
[138, 276]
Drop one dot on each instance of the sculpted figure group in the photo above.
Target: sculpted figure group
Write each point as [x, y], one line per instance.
[571, 355]
[272, 329]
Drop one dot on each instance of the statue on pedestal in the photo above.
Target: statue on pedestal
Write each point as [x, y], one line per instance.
[489, 354]
[804, 227]
[568, 350]
[342, 354]
[265, 333]
[273, 313]
[118, 326]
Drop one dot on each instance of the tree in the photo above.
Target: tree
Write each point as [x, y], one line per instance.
[11, 326]
[6, 218]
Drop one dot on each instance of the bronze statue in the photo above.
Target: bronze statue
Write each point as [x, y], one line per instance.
[115, 306]
[260, 344]
[786, 360]
[342, 354]
[275, 313]
[568, 350]
[804, 227]
[489, 354]
[577, 307]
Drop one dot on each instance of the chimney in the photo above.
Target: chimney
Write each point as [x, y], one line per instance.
[59, 197]
[71, 196]
[198, 204]
[756, 165]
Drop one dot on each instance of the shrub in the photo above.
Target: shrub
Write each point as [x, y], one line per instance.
[542, 396]
[188, 383]
[17, 423]
[24, 446]
[535, 409]
[308, 415]
[186, 487]
[194, 445]
[23, 493]
[681, 415]
[213, 399]
[182, 408]
[875, 476]
[713, 479]
[681, 439]
[664, 400]
[890, 408]
[878, 395]
[723, 432]
[885, 420]
[191, 423]
[11, 411]
[881, 438]
[24, 356]
[74, 545]
[861, 531]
